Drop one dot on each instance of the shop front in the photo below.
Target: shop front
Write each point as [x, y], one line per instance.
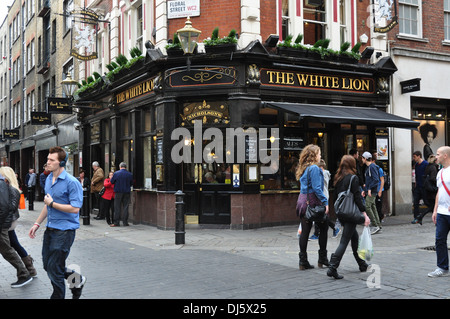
[228, 131]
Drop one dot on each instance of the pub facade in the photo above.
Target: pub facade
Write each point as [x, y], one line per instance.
[227, 129]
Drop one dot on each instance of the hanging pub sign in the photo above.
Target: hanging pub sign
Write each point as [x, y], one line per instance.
[58, 105]
[41, 118]
[384, 15]
[84, 34]
[208, 113]
[11, 134]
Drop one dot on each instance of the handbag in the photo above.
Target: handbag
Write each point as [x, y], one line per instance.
[102, 191]
[315, 213]
[346, 208]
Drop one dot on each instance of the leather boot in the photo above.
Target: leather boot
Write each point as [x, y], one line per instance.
[323, 259]
[361, 262]
[332, 270]
[303, 263]
[28, 261]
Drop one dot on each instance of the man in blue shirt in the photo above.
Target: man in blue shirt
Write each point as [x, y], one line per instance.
[122, 180]
[63, 200]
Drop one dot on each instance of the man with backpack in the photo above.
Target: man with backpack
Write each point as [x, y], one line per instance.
[372, 181]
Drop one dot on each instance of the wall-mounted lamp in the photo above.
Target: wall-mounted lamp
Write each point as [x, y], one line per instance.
[320, 134]
[188, 37]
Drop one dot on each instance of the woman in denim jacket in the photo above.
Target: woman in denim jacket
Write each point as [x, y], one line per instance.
[311, 190]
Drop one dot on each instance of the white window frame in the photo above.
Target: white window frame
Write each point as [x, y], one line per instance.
[447, 20]
[418, 8]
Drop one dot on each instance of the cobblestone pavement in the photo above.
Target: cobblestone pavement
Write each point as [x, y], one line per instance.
[143, 262]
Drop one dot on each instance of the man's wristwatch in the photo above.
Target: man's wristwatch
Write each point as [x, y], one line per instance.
[51, 204]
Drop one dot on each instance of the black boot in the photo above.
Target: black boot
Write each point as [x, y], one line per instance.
[361, 263]
[303, 263]
[323, 259]
[332, 270]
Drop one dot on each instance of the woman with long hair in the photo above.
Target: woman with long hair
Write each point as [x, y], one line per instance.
[311, 191]
[342, 179]
[11, 179]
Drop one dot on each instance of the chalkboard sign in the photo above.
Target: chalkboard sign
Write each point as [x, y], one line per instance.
[251, 149]
[159, 151]
[293, 143]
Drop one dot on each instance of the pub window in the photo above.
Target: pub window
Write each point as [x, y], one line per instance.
[125, 125]
[54, 35]
[139, 28]
[314, 22]
[343, 21]
[410, 17]
[284, 19]
[148, 161]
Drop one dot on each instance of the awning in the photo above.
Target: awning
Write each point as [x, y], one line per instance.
[345, 114]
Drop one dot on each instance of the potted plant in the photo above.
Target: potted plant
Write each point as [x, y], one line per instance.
[220, 45]
[351, 56]
[174, 48]
[296, 49]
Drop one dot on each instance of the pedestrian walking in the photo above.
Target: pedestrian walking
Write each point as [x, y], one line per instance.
[7, 204]
[122, 180]
[311, 191]
[107, 199]
[42, 178]
[430, 187]
[31, 184]
[86, 186]
[342, 179]
[63, 200]
[96, 186]
[372, 180]
[11, 179]
[419, 190]
[441, 212]
[334, 226]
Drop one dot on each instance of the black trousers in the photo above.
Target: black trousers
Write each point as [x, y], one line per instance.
[349, 234]
[306, 229]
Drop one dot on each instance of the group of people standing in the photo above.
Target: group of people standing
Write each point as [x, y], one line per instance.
[110, 195]
[313, 191]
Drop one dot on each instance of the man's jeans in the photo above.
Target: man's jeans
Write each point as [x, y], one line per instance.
[55, 250]
[121, 202]
[419, 193]
[442, 229]
[371, 210]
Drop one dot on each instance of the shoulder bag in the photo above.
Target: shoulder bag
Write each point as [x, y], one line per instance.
[346, 208]
[443, 183]
[314, 213]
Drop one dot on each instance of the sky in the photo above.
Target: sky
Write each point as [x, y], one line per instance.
[4, 8]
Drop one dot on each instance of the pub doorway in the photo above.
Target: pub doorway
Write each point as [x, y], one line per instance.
[207, 187]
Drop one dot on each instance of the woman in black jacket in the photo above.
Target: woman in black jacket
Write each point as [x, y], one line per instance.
[347, 168]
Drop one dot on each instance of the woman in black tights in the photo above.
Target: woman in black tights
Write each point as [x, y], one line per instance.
[347, 169]
[311, 183]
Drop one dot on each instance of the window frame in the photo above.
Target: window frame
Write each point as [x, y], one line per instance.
[418, 6]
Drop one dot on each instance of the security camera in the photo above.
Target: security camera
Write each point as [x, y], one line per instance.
[76, 126]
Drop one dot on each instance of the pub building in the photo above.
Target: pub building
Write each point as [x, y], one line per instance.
[294, 101]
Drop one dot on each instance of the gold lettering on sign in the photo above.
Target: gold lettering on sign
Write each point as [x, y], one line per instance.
[316, 81]
[135, 91]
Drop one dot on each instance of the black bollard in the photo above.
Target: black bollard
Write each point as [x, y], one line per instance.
[179, 218]
[85, 208]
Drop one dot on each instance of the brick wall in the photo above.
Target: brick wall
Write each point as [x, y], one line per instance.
[224, 14]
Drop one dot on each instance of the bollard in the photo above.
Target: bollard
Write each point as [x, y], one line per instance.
[85, 208]
[179, 218]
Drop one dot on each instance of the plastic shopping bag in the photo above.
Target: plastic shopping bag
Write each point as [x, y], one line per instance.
[365, 247]
[299, 231]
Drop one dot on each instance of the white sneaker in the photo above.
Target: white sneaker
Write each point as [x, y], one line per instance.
[439, 272]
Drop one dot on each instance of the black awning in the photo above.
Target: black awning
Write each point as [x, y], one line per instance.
[345, 114]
